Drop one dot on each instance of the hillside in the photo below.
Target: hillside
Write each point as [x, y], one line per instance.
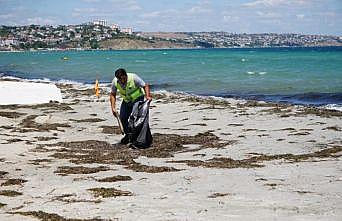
[129, 43]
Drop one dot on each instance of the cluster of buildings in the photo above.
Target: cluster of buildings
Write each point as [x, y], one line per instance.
[224, 39]
[127, 30]
[83, 36]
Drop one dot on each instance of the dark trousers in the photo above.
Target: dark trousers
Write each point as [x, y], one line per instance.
[125, 112]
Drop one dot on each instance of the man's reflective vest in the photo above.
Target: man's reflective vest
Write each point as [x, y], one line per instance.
[131, 91]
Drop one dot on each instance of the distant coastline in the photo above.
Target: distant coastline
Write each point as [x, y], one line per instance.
[101, 37]
[151, 49]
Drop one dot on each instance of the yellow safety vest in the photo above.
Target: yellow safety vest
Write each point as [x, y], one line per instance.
[131, 91]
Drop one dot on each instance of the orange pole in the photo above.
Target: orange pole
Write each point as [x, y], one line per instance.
[97, 88]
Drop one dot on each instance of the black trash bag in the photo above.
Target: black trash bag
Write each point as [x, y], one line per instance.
[139, 132]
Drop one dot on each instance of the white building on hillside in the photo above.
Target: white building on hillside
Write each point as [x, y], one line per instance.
[115, 26]
[8, 42]
[127, 30]
[100, 22]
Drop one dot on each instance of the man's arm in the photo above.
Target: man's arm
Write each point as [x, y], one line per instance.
[112, 98]
[140, 83]
[147, 92]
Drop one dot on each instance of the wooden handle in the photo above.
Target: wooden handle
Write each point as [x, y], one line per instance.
[120, 125]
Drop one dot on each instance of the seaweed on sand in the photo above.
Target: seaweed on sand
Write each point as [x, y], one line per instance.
[319, 112]
[50, 106]
[256, 161]
[115, 178]
[65, 170]
[13, 182]
[7, 127]
[137, 167]
[335, 128]
[81, 92]
[10, 114]
[218, 162]
[28, 125]
[3, 173]
[71, 198]
[38, 161]
[88, 120]
[45, 138]
[54, 217]
[198, 124]
[110, 129]
[9, 193]
[164, 145]
[284, 110]
[14, 140]
[215, 195]
[195, 100]
[109, 192]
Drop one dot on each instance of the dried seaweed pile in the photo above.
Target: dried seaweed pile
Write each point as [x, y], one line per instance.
[55, 217]
[29, 125]
[101, 152]
[220, 162]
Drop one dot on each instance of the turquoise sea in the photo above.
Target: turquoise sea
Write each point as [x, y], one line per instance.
[293, 75]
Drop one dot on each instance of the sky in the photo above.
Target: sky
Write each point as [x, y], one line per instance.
[235, 16]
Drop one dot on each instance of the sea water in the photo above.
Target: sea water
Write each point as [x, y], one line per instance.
[292, 75]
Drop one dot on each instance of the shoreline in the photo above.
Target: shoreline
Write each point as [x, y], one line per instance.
[153, 49]
[251, 98]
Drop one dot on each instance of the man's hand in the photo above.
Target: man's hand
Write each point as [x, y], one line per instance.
[149, 98]
[147, 92]
[115, 113]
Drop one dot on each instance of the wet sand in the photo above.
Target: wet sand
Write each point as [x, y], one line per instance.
[210, 160]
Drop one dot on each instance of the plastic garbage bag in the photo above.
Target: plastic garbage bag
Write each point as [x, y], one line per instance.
[139, 132]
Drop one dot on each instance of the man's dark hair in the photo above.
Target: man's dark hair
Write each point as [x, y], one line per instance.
[120, 72]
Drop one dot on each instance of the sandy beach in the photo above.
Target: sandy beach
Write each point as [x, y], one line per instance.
[211, 160]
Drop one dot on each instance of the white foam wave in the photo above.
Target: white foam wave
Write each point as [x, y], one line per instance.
[64, 81]
[44, 80]
[75, 84]
[337, 107]
[3, 76]
[254, 72]
[182, 94]
[41, 80]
